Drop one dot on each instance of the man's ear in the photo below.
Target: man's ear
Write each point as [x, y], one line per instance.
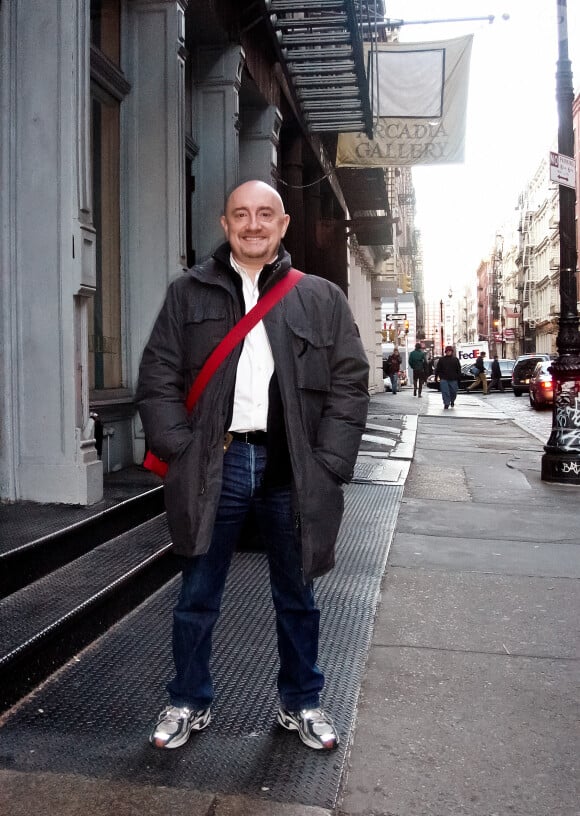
[224, 224]
[286, 222]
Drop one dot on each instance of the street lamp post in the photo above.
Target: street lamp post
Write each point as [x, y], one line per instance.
[441, 323]
[502, 336]
[521, 329]
[561, 460]
[450, 296]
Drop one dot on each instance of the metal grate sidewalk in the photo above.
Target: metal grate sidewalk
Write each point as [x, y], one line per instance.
[94, 716]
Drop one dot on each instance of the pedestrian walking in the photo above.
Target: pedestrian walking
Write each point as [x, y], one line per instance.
[448, 374]
[496, 381]
[478, 369]
[420, 367]
[393, 368]
[275, 433]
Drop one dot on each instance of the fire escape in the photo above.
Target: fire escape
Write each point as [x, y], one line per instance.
[320, 47]
[529, 280]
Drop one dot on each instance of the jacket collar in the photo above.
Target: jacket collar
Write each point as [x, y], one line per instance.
[276, 269]
[217, 271]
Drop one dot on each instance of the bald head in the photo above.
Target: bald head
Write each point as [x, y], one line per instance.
[254, 187]
[254, 223]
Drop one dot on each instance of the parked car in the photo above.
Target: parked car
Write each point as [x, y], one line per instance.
[541, 387]
[506, 366]
[467, 377]
[523, 370]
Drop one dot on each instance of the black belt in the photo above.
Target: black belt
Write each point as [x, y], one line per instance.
[250, 437]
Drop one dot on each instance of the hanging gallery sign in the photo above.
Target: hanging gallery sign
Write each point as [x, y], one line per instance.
[419, 94]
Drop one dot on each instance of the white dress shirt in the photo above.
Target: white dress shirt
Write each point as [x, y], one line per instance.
[255, 367]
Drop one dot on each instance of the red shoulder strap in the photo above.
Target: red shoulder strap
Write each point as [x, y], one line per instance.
[238, 332]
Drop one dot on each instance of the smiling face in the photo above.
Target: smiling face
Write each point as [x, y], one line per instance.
[254, 223]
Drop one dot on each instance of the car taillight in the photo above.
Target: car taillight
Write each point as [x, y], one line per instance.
[546, 384]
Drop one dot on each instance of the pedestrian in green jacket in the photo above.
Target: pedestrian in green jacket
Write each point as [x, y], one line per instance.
[418, 364]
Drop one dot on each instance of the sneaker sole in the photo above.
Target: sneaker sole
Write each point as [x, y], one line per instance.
[179, 741]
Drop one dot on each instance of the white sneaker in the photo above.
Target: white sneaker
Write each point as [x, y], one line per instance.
[174, 726]
[315, 727]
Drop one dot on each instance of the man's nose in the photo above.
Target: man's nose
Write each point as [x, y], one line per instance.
[253, 221]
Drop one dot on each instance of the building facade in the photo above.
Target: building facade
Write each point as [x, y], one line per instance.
[124, 124]
[485, 285]
[519, 286]
[539, 260]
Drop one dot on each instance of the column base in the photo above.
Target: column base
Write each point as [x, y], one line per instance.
[560, 467]
[65, 483]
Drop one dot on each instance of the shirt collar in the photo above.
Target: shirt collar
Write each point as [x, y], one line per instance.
[240, 269]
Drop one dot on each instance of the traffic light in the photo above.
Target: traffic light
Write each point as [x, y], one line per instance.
[384, 333]
[406, 327]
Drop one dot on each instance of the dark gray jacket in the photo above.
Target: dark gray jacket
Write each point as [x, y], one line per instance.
[448, 368]
[322, 374]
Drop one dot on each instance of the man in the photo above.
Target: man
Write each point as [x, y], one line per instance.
[393, 368]
[481, 377]
[496, 381]
[292, 400]
[418, 364]
[448, 374]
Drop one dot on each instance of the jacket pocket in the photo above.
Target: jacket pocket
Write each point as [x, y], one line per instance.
[311, 355]
[312, 352]
[206, 324]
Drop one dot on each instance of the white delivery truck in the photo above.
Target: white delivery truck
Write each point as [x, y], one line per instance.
[469, 352]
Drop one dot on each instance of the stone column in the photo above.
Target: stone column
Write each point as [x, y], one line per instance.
[48, 452]
[299, 234]
[259, 139]
[217, 77]
[153, 124]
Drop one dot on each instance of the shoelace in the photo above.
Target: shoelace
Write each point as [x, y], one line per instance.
[174, 714]
[316, 716]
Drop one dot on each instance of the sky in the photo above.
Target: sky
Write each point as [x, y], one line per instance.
[512, 123]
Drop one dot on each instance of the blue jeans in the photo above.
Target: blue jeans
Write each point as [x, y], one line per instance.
[449, 390]
[394, 382]
[297, 617]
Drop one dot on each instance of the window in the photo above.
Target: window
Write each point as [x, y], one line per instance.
[105, 308]
[108, 88]
[106, 28]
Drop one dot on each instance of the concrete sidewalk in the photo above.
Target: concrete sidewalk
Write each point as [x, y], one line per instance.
[469, 704]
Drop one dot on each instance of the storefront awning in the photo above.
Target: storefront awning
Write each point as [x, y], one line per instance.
[365, 193]
[364, 189]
